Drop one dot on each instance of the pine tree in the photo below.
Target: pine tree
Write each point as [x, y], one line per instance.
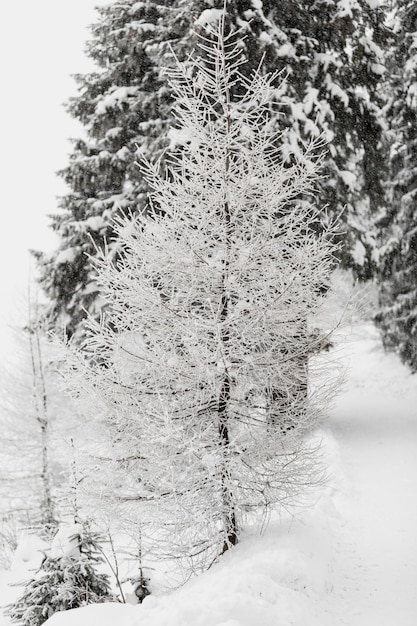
[66, 579]
[398, 226]
[331, 52]
[208, 313]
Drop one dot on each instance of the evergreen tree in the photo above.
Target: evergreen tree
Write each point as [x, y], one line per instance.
[339, 94]
[208, 314]
[66, 579]
[398, 226]
[331, 52]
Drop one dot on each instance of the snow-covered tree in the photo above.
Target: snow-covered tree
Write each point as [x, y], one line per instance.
[210, 309]
[332, 53]
[398, 267]
[67, 578]
[123, 107]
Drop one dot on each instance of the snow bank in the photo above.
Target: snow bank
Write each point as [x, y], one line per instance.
[96, 615]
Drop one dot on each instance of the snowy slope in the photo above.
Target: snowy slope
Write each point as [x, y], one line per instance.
[349, 560]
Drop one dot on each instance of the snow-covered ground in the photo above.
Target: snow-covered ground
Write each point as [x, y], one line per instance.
[349, 560]
[375, 423]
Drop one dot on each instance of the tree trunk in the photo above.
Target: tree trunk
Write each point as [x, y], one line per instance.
[40, 400]
[229, 512]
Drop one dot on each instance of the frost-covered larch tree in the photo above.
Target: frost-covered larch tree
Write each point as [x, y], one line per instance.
[398, 226]
[210, 306]
[333, 54]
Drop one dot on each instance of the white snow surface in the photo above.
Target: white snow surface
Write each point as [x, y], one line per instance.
[66, 256]
[348, 560]
[66, 541]
[209, 16]
[375, 421]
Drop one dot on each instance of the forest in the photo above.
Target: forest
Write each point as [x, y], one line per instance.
[213, 407]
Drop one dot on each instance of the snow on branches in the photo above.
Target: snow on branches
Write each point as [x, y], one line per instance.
[200, 372]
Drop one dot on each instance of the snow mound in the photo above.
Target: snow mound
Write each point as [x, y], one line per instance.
[96, 615]
[66, 542]
[30, 550]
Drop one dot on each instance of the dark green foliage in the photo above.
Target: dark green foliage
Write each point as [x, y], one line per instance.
[64, 582]
[331, 53]
[398, 226]
[335, 69]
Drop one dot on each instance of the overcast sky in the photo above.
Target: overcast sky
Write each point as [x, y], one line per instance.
[41, 44]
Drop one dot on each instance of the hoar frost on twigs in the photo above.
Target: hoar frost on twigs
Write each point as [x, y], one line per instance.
[202, 374]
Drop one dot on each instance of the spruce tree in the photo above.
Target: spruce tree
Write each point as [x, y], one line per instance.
[332, 55]
[340, 94]
[67, 579]
[398, 266]
[124, 107]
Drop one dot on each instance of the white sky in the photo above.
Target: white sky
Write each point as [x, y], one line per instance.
[41, 44]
